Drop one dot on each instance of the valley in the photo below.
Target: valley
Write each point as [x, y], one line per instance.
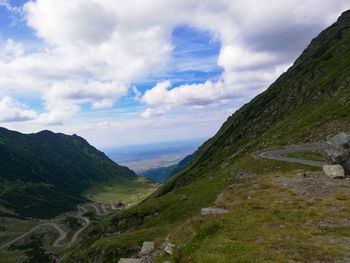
[57, 235]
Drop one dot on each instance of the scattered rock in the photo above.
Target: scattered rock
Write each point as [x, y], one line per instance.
[183, 197]
[317, 185]
[334, 171]
[233, 185]
[213, 211]
[147, 248]
[165, 242]
[147, 259]
[169, 248]
[219, 198]
[130, 260]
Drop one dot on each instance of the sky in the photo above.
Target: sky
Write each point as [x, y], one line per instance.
[142, 71]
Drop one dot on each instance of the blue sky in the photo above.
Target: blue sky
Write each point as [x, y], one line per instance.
[125, 73]
[193, 59]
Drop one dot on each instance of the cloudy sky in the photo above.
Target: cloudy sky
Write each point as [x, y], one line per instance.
[127, 72]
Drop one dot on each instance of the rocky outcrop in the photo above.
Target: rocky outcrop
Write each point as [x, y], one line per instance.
[129, 260]
[334, 171]
[213, 211]
[147, 248]
[338, 151]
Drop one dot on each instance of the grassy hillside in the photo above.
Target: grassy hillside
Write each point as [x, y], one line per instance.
[162, 174]
[277, 212]
[44, 174]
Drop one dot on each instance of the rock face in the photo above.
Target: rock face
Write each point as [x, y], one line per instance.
[129, 260]
[334, 171]
[147, 248]
[338, 151]
[213, 211]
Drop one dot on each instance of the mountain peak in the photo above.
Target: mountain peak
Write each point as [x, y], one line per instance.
[344, 19]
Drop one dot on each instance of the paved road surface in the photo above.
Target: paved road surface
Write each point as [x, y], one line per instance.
[277, 155]
[61, 232]
[104, 208]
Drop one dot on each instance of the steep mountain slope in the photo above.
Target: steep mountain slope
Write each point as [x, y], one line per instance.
[44, 174]
[161, 174]
[305, 104]
[265, 221]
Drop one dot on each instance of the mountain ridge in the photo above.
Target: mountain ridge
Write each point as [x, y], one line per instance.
[162, 174]
[46, 173]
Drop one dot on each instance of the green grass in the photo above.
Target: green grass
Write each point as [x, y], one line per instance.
[159, 217]
[306, 155]
[268, 227]
[125, 190]
[266, 223]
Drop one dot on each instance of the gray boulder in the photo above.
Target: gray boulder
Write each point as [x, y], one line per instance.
[213, 211]
[147, 248]
[334, 171]
[337, 151]
[147, 259]
[129, 260]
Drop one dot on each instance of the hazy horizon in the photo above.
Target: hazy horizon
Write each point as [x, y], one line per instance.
[146, 156]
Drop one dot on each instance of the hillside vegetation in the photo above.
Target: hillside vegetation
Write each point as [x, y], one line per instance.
[278, 211]
[45, 174]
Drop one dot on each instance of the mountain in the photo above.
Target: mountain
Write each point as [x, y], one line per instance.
[308, 103]
[45, 174]
[274, 213]
[161, 174]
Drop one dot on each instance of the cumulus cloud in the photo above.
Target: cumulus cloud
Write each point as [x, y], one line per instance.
[93, 50]
[258, 43]
[11, 111]
[10, 50]
[189, 96]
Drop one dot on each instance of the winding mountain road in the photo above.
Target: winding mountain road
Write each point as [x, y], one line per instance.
[277, 155]
[62, 234]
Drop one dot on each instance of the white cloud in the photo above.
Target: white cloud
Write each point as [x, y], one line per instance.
[92, 51]
[11, 111]
[256, 49]
[10, 50]
[185, 96]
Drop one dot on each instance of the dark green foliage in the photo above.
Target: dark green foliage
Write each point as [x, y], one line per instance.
[44, 174]
[34, 250]
[162, 174]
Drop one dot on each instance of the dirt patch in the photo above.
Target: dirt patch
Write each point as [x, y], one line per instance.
[314, 185]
